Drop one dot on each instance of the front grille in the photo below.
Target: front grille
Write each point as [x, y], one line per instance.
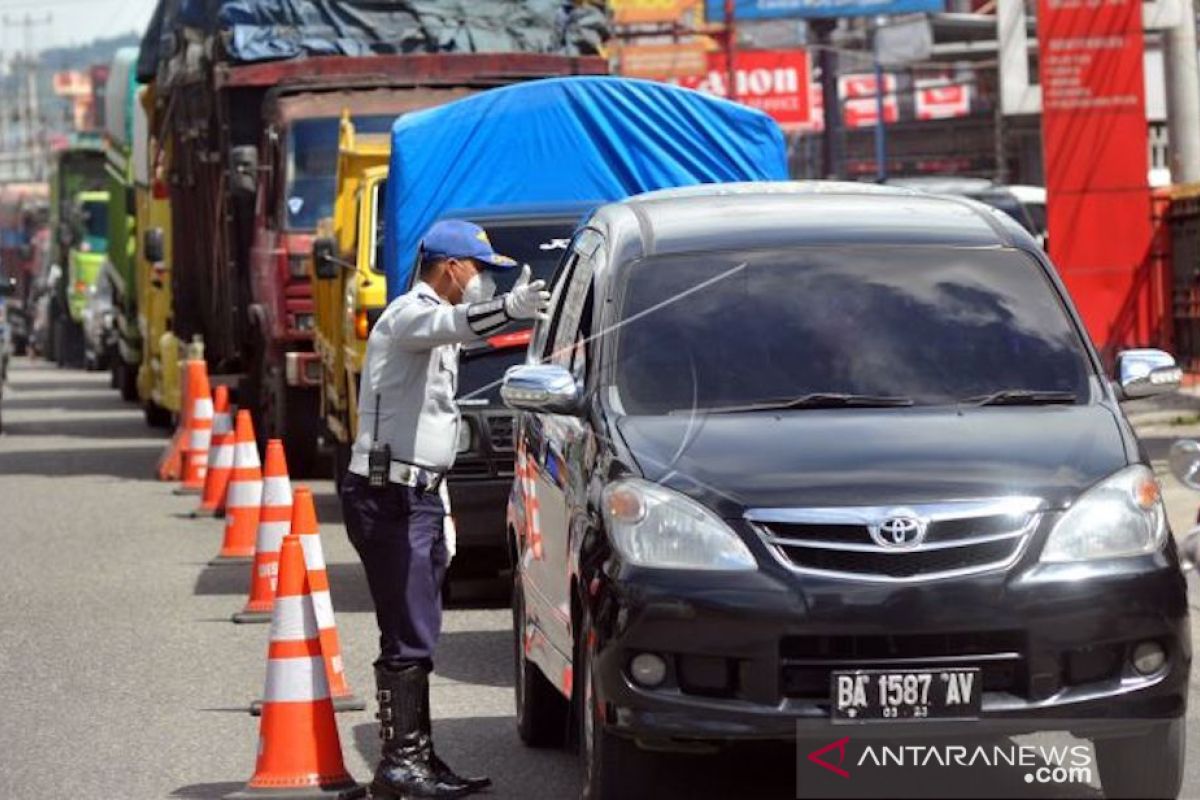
[808, 661]
[500, 430]
[957, 538]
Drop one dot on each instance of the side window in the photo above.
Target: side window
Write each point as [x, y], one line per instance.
[570, 341]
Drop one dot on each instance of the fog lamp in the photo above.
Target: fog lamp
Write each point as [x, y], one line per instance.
[648, 669]
[1148, 657]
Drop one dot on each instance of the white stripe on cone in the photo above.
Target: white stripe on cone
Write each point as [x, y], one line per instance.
[323, 608]
[246, 455]
[296, 680]
[277, 491]
[244, 494]
[203, 409]
[200, 439]
[314, 556]
[270, 536]
[293, 620]
[222, 457]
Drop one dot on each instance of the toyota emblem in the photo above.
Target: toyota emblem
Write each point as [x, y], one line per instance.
[899, 530]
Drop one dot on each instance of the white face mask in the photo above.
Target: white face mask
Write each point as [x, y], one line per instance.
[480, 289]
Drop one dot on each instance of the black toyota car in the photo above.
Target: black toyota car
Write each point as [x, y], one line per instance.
[826, 458]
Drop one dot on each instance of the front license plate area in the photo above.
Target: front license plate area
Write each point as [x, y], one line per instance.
[905, 694]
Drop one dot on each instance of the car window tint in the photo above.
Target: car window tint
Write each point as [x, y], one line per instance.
[936, 324]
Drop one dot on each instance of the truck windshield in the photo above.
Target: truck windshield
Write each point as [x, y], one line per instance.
[932, 325]
[94, 218]
[539, 244]
[312, 166]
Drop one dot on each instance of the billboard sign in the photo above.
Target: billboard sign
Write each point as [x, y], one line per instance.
[642, 12]
[775, 82]
[941, 99]
[776, 9]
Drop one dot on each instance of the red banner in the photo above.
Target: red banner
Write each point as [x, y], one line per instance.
[1094, 134]
[773, 81]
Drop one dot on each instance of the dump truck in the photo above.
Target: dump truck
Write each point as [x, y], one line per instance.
[23, 241]
[79, 239]
[348, 285]
[119, 269]
[251, 116]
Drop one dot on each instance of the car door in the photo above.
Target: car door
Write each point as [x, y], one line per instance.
[551, 445]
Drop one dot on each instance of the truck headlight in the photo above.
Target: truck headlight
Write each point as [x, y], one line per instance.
[652, 526]
[1121, 516]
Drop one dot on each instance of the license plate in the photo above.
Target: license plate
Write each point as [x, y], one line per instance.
[889, 694]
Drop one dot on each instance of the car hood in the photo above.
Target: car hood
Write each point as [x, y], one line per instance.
[877, 457]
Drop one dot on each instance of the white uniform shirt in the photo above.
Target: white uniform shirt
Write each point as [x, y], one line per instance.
[412, 366]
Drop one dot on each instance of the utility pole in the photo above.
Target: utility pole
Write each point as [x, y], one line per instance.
[26, 90]
[731, 49]
[1183, 96]
[831, 142]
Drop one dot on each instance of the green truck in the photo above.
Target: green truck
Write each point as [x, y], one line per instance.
[78, 243]
[120, 99]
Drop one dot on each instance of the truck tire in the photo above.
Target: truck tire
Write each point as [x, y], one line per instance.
[156, 416]
[126, 380]
[1144, 766]
[301, 431]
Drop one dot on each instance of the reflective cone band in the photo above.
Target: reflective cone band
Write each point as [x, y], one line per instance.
[304, 525]
[199, 428]
[274, 522]
[526, 476]
[171, 463]
[243, 497]
[220, 456]
[299, 751]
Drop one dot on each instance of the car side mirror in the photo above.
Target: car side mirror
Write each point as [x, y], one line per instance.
[1147, 372]
[324, 263]
[543, 388]
[154, 245]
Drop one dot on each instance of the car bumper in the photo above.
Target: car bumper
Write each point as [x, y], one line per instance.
[736, 670]
[478, 505]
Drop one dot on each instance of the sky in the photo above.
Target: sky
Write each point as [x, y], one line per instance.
[71, 21]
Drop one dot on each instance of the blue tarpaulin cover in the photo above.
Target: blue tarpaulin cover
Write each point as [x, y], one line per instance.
[591, 139]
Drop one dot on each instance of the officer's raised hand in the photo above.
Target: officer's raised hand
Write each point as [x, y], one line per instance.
[528, 299]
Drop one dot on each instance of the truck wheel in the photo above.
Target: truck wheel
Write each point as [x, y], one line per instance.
[302, 424]
[613, 767]
[156, 415]
[126, 381]
[541, 710]
[61, 342]
[1144, 766]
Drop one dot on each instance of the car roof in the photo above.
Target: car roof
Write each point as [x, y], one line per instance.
[524, 212]
[760, 215]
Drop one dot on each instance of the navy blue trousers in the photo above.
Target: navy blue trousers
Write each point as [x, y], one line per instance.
[399, 535]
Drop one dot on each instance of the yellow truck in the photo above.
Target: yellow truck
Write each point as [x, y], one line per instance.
[349, 287]
[158, 378]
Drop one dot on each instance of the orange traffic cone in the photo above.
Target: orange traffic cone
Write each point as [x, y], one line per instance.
[199, 430]
[170, 463]
[274, 522]
[304, 524]
[243, 498]
[299, 751]
[220, 456]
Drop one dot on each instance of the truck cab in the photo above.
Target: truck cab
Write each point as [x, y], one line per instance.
[348, 284]
[88, 251]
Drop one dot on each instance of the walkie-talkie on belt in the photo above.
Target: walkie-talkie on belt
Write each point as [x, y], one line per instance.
[379, 459]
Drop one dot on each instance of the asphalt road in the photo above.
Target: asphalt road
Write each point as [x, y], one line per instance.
[121, 675]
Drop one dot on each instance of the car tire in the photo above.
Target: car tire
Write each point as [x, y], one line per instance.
[1149, 766]
[613, 768]
[541, 710]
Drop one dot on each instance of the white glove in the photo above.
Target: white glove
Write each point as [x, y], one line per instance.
[528, 299]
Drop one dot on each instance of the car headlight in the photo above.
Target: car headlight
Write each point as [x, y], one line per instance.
[652, 526]
[1121, 516]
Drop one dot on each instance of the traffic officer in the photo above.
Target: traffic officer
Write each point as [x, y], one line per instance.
[407, 439]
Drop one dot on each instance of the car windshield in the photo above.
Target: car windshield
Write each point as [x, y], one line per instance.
[930, 325]
[540, 245]
[312, 166]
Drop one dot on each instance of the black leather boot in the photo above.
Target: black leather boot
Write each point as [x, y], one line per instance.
[406, 769]
[441, 767]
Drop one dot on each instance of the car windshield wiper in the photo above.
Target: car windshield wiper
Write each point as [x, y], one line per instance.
[1020, 397]
[812, 400]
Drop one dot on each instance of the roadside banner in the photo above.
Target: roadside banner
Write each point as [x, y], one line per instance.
[774, 9]
[859, 106]
[1094, 135]
[641, 12]
[938, 98]
[662, 61]
[775, 82]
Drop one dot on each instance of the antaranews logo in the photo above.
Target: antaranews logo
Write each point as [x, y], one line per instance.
[1039, 763]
